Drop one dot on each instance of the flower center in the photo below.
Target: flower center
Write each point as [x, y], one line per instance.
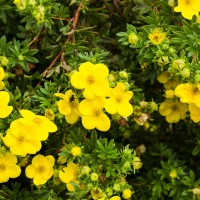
[156, 38]
[41, 169]
[90, 79]
[20, 139]
[96, 112]
[119, 99]
[174, 107]
[187, 1]
[196, 89]
[37, 120]
[2, 167]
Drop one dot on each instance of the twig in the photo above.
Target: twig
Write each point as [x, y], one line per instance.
[75, 20]
[35, 38]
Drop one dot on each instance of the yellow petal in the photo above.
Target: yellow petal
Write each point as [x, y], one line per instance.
[78, 80]
[14, 171]
[125, 109]
[110, 106]
[5, 111]
[39, 180]
[85, 107]
[51, 160]
[30, 171]
[174, 117]
[165, 108]
[4, 98]
[27, 114]
[101, 70]
[103, 123]
[72, 118]
[4, 178]
[89, 122]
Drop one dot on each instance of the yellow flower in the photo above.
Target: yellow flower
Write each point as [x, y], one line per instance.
[173, 174]
[194, 112]
[171, 84]
[76, 151]
[126, 194]
[173, 111]
[91, 78]
[188, 8]
[93, 115]
[137, 164]
[96, 193]
[115, 198]
[69, 173]
[21, 139]
[41, 124]
[188, 93]
[5, 110]
[119, 101]
[157, 37]
[41, 169]
[163, 77]
[68, 106]
[8, 167]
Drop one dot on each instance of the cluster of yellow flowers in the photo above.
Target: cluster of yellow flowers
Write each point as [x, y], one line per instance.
[25, 134]
[189, 95]
[98, 98]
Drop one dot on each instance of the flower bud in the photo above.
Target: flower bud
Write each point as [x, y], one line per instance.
[76, 151]
[171, 50]
[178, 64]
[153, 106]
[126, 194]
[123, 74]
[20, 4]
[163, 60]
[31, 2]
[20, 57]
[39, 13]
[127, 165]
[94, 177]
[164, 46]
[171, 3]
[85, 170]
[173, 174]
[159, 53]
[196, 191]
[197, 78]
[137, 164]
[116, 187]
[49, 114]
[109, 191]
[96, 193]
[185, 72]
[132, 38]
[4, 60]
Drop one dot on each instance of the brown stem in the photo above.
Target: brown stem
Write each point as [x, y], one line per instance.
[75, 20]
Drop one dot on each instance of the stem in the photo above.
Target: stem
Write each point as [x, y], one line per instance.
[75, 20]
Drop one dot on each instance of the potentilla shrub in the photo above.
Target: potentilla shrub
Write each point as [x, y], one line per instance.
[99, 99]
